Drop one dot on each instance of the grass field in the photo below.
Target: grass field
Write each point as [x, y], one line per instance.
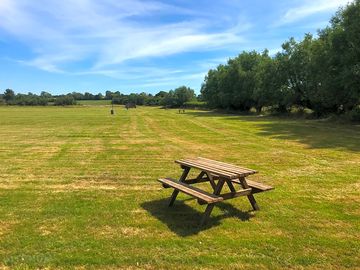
[78, 189]
[94, 102]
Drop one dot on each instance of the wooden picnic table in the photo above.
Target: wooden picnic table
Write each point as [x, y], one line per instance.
[217, 174]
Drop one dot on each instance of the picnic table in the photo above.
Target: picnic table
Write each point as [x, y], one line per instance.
[217, 174]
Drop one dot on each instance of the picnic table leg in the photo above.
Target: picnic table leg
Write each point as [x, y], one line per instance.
[210, 207]
[176, 192]
[231, 186]
[211, 180]
[250, 196]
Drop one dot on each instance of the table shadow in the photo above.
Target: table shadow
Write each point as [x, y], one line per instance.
[185, 220]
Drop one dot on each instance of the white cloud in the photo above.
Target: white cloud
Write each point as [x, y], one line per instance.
[308, 8]
[106, 33]
[186, 78]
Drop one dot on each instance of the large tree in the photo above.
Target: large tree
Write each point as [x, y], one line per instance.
[9, 95]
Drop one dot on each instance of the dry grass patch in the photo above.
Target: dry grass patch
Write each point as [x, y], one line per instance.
[6, 227]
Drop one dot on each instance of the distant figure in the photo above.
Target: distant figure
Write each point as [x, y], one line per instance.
[181, 110]
[130, 105]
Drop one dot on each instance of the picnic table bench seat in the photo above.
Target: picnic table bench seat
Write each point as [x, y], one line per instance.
[190, 190]
[256, 186]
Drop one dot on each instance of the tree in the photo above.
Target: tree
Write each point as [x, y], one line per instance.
[183, 94]
[65, 100]
[9, 95]
[45, 95]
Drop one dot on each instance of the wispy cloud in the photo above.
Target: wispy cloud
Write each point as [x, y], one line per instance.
[168, 80]
[106, 33]
[308, 8]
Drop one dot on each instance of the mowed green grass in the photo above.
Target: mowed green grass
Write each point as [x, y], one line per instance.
[78, 189]
[94, 102]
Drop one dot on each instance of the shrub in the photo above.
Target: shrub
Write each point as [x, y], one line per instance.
[195, 104]
[64, 101]
[354, 114]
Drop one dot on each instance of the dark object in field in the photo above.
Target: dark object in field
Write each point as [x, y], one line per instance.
[130, 105]
[217, 174]
[182, 110]
[112, 111]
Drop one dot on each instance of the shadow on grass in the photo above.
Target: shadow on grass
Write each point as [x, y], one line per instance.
[185, 221]
[314, 133]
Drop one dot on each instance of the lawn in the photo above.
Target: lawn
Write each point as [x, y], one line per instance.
[94, 102]
[78, 189]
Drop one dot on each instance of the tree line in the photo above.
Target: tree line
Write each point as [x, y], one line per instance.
[173, 98]
[322, 73]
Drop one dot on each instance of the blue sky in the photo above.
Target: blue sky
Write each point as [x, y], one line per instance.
[135, 45]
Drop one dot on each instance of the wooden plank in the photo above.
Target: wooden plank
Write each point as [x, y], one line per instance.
[195, 181]
[238, 172]
[250, 197]
[182, 179]
[212, 182]
[190, 181]
[259, 187]
[225, 166]
[190, 190]
[210, 207]
[206, 168]
[230, 195]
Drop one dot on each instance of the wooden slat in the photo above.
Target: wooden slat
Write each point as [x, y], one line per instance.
[226, 166]
[230, 195]
[255, 185]
[190, 181]
[190, 190]
[207, 168]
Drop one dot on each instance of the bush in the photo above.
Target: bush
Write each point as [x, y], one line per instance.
[195, 105]
[354, 114]
[65, 101]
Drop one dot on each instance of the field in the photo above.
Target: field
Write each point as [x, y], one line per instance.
[94, 102]
[78, 189]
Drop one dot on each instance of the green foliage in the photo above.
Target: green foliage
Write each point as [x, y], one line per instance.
[27, 100]
[321, 74]
[173, 98]
[177, 97]
[195, 104]
[8, 95]
[354, 114]
[65, 100]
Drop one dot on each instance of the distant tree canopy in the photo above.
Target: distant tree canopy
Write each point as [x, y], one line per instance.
[65, 100]
[173, 98]
[21, 99]
[322, 73]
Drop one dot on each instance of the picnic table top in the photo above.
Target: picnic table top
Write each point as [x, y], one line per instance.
[218, 168]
